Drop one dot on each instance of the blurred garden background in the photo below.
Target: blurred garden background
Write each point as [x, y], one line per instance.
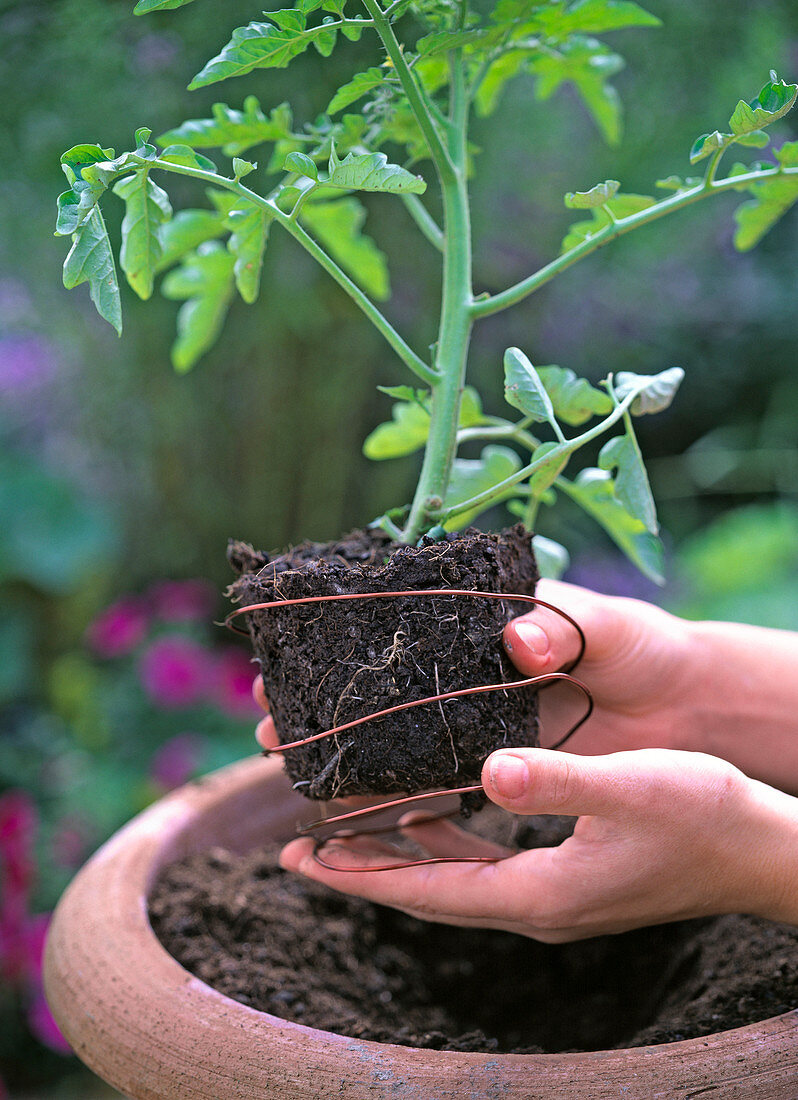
[121, 481]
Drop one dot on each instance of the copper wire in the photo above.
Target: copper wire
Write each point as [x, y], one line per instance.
[542, 681]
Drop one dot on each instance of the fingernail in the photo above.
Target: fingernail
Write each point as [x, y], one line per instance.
[509, 776]
[533, 637]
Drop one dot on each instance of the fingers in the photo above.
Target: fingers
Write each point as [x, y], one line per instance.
[543, 641]
[265, 733]
[259, 693]
[541, 781]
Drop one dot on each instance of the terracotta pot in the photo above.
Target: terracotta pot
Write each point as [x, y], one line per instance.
[155, 1032]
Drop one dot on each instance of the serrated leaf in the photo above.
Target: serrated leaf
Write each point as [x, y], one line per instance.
[242, 168]
[622, 454]
[473, 476]
[599, 195]
[551, 557]
[405, 433]
[621, 206]
[587, 64]
[147, 208]
[263, 46]
[772, 198]
[185, 155]
[185, 232]
[372, 172]
[756, 139]
[523, 388]
[250, 233]
[504, 69]
[654, 392]
[145, 6]
[359, 86]
[707, 144]
[91, 261]
[594, 491]
[233, 131]
[676, 183]
[443, 41]
[204, 281]
[338, 226]
[773, 102]
[574, 399]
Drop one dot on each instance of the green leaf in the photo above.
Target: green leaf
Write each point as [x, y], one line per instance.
[145, 6]
[593, 17]
[147, 207]
[574, 399]
[265, 45]
[471, 413]
[587, 64]
[337, 225]
[772, 198]
[552, 558]
[443, 41]
[594, 491]
[497, 77]
[654, 392]
[249, 225]
[233, 131]
[621, 206]
[407, 432]
[707, 144]
[91, 261]
[242, 168]
[523, 388]
[185, 155]
[599, 195]
[631, 480]
[359, 86]
[473, 476]
[89, 172]
[302, 164]
[773, 102]
[186, 231]
[204, 281]
[372, 172]
[676, 183]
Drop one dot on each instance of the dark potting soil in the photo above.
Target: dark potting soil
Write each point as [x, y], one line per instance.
[327, 664]
[305, 953]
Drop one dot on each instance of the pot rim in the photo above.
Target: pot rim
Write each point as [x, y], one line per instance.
[115, 991]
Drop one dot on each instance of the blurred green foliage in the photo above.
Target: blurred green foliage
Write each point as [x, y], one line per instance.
[114, 471]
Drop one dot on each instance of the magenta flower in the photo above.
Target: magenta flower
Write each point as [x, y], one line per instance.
[174, 672]
[183, 601]
[233, 678]
[176, 761]
[17, 828]
[119, 629]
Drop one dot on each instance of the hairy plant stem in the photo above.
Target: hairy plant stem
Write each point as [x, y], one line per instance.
[454, 331]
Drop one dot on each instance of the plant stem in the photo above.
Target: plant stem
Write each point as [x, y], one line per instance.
[424, 220]
[411, 360]
[454, 332]
[486, 306]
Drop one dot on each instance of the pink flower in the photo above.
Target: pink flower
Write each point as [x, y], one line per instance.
[233, 678]
[44, 1027]
[183, 601]
[17, 827]
[176, 761]
[119, 629]
[174, 672]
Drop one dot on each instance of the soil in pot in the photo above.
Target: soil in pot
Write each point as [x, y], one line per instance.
[327, 664]
[302, 952]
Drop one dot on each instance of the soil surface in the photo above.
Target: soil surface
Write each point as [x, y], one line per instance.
[302, 952]
[327, 664]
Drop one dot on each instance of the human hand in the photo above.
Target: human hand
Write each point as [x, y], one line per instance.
[662, 835]
[640, 665]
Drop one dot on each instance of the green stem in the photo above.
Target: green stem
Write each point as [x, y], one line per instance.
[486, 306]
[454, 331]
[411, 360]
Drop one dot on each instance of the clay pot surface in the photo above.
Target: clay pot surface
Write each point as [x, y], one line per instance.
[156, 1032]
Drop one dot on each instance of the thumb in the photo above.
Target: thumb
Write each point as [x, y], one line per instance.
[542, 781]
